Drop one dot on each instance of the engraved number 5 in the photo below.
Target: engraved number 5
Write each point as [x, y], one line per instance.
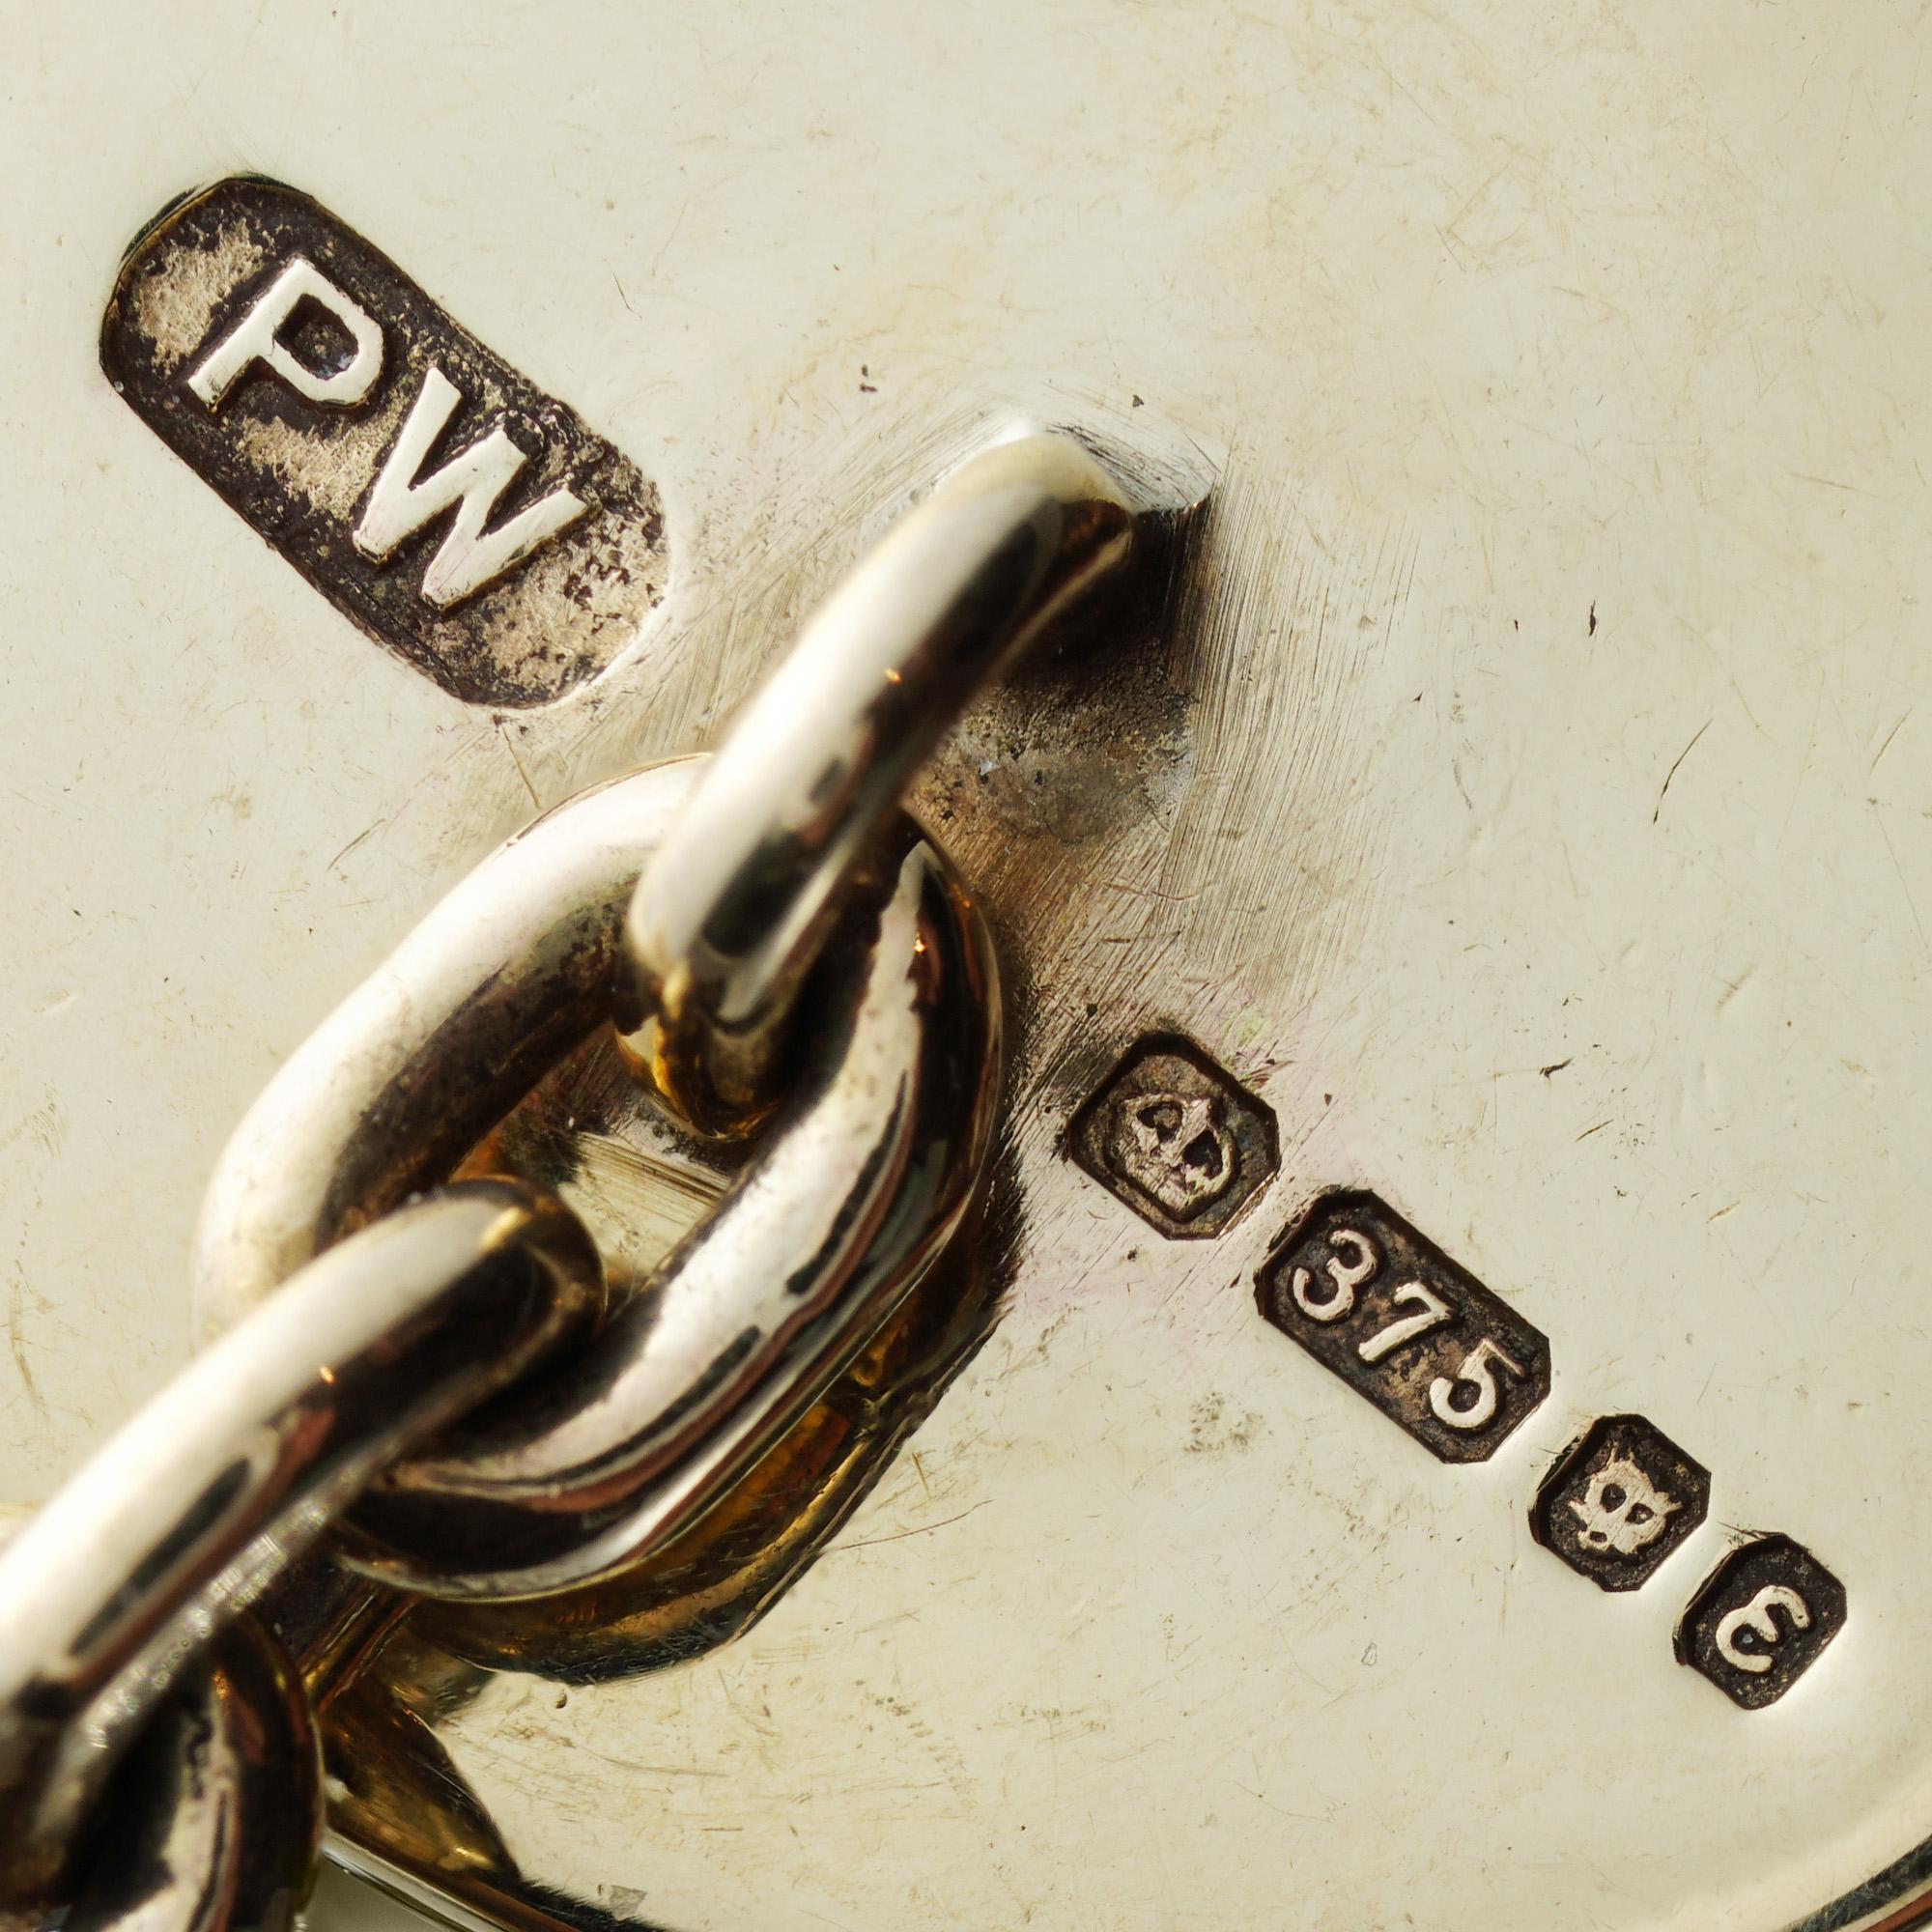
[1339, 1302]
[1475, 1370]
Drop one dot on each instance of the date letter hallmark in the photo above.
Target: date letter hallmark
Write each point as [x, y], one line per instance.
[1761, 1620]
[1381, 1306]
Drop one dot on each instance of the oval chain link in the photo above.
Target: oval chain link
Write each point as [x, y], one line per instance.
[212, 1820]
[207, 1495]
[860, 1178]
[729, 917]
[700, 906]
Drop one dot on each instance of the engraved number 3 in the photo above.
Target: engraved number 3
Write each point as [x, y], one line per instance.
[1337, 1303]
[1476, 1372]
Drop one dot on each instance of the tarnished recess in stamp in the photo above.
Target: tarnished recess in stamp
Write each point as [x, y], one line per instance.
[1620, 1502]
[467, 521]
[1385, 1308]
[1178, 1138]
[1761, 1620]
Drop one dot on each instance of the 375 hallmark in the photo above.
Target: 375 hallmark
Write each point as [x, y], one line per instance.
[1177, 1138]
[1381, 1306]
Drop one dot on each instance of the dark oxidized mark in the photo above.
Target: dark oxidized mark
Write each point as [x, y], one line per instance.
[1620, 1502]
[468, 522]
[1761, 1620]
[1381, 1306]
[1176, 1137]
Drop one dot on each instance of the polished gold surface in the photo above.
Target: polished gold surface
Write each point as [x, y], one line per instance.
[863, 1172]
[729, 914]
[1524, 800]
[210, 1823]
[856, 1186]
[201, 1502]
[401, 1809]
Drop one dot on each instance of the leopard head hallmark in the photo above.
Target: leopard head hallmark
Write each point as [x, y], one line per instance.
[1622, 1510]
[1620, 1502]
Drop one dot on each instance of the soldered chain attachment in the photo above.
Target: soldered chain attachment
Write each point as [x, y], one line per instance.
[414, 1362]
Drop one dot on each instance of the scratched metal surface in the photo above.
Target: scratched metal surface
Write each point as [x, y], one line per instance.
[1533, 809]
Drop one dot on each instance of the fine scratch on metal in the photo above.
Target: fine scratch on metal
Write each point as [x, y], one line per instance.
[1678, 760]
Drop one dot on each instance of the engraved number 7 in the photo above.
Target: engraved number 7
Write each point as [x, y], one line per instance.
[1434, 1312]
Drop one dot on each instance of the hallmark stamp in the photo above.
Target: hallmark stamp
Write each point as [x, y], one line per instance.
[1761, 1620]
[1176, 1137]
[1620, 1502]
[469, 522]
[1382, 1307]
